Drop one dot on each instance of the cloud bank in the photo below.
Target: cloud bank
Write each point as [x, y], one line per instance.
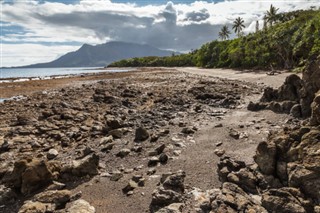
[58, 26]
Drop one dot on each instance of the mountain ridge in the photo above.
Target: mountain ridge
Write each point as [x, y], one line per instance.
[102, 54]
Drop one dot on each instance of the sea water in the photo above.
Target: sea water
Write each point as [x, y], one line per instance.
[47, 72]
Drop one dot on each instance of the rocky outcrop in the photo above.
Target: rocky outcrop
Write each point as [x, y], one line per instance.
[295, 95]
[170, 191]
[29, 176]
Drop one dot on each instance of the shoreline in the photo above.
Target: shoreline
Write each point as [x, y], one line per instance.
[11, 88]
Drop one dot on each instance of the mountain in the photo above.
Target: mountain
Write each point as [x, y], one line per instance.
[102, 55]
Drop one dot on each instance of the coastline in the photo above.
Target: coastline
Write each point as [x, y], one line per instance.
[11, 87]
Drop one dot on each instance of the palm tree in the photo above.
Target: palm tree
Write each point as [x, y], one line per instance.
[224, 33]
[271, 15]
[238, 26]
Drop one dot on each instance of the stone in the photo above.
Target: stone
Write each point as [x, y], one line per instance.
[232, 199]
[219, 152]
[164, 197]
[315, 111]
[160, 149]
[234, 134]
[80, 206]
[285, 200]
[266, 157]
[163, 158]
[116, 175]
[172, 208]
[296, 111]
[36, 207]
[187, 131]
[123, 153]
[58, 197]
[86, 166]
[153, 161]
[30, 176]
[52, 153]
[7, 195]
[141, 134]
[311, 85]
[130, 186]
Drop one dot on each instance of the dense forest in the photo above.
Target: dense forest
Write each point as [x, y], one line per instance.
[286, 40]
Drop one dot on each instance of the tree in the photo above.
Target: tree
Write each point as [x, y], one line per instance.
[257, 26]
[265, 23]
[271, 14]
[238, 25]
[224, 33]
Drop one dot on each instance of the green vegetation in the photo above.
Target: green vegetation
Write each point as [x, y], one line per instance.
[287, 40]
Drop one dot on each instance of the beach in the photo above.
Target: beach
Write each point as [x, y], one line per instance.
[188, 116]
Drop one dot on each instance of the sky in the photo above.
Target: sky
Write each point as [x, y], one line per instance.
[35, 31]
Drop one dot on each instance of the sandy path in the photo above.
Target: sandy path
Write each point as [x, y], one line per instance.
[259, 77]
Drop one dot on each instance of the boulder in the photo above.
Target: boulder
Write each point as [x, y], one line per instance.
[315, 110]
[311, 84]
[7, 195]
[232, 199]
[83, 167]
[80, 206]
[170, 191]
[265, 157]
[285, 200]
[36, 207]
[58, 197]
[141, 134]
[29, 176]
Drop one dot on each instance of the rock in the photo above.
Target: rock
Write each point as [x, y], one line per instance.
[172, 208]
[266, 157]
[153, 161]
[219, 152]
[175, 181]
[232, 199]
[58, 197]
[116, 133]
[36, 207]
[131, 186]
[86, 166]
[315, 111]
[116, 175]
[52, 153]
[113, 123]
[123, 153]
[141, 134]
[245, 179]
[80, 206]
[160, 149]
[163, 197]
[163, 158]
[30, 176]
[25, 120]
[7, 195]
[285, 200]
[234, 134]
[106, 140]
[170, 191]
[227, 165]
[296, 111]
[187, 131]
[311, 85]
[256, 106]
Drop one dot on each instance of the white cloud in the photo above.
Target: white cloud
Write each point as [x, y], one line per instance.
[169, 26]
[26, 54]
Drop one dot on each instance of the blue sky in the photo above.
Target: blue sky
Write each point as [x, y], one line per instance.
[34, 31]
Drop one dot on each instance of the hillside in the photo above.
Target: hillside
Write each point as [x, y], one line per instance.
[100, 55]
[287, 44]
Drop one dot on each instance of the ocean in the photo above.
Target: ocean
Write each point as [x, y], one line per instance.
[47, 72]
